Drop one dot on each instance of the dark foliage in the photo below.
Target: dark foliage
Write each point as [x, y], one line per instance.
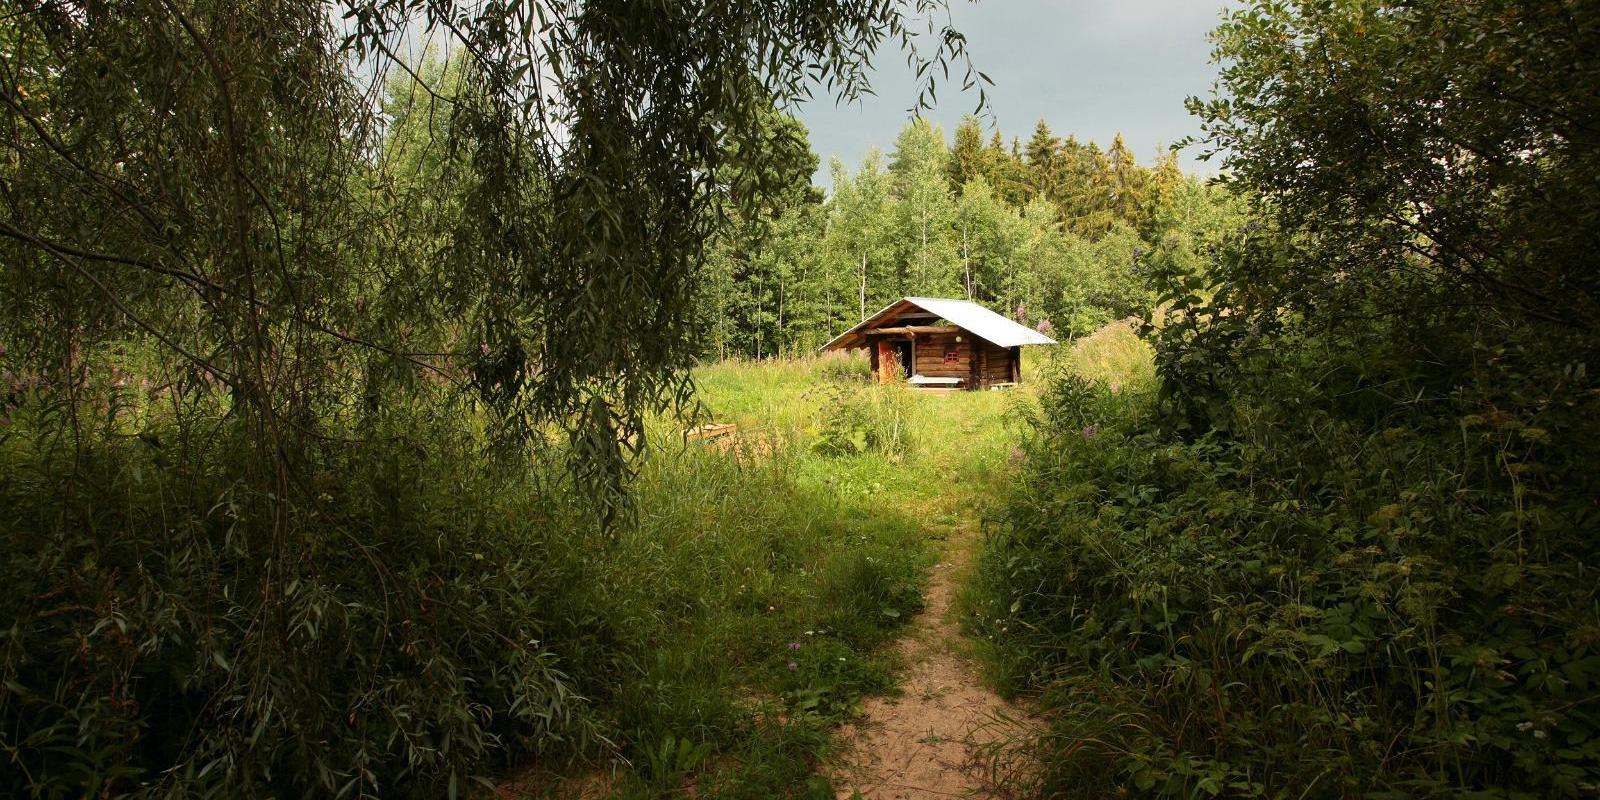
[1346, 548]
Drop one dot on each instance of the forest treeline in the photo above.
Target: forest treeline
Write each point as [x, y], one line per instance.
[1053, 231]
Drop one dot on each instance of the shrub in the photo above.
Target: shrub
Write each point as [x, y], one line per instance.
[406, 627]
[868, 419]
[845, 367]
[1344, 590]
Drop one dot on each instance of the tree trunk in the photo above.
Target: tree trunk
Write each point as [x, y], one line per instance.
[863, 284]
[966, 263]
[922, 255]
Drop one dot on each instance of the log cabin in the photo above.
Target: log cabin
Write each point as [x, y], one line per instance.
[941, 344]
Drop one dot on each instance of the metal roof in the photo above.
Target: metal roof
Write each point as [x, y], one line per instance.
[976, 319]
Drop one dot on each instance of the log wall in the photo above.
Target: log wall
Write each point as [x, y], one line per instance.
[931, 350]
[996, 364]
[976, 362]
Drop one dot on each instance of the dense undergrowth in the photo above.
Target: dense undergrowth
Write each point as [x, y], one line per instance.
[448, 618]
[1351, 591]
[1344, 544]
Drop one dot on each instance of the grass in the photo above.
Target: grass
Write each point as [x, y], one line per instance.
[454, 622]
[1113, 355]
[768, 572]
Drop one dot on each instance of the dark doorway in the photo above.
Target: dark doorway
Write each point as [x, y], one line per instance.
[902, 351]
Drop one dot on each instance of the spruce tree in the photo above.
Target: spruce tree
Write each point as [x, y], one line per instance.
[968, 160]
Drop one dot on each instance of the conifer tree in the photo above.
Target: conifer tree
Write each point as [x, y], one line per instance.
[968, 159]
[1042, 150]
[1126, 181]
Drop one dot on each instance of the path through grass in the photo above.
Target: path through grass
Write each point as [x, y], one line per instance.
[945, 733]
[941, 731]
[783, 608]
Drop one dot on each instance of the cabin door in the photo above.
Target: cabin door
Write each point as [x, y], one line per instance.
[894, 360]
[902, 352]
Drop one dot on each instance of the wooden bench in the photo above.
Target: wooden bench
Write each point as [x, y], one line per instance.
[934, 383]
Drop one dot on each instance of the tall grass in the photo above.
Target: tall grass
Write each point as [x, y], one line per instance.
[455, 617]
[434, 626]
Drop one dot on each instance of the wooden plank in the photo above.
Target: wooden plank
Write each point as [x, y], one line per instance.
[710, 431]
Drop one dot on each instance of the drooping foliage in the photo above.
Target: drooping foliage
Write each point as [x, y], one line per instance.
[1345, 546]
[300, 329]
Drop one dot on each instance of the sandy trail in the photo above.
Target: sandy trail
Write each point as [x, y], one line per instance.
[946, 735]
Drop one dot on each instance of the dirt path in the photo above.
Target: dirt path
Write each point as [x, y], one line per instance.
[947, 735]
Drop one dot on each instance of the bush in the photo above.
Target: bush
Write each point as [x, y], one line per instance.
[1364, 583]
[867, 419]
[406, 626]
[850, 366]
[447, 617]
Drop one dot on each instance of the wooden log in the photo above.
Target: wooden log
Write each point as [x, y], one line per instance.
[912, 329]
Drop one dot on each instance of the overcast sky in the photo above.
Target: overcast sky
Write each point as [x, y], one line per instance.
[1088, 67]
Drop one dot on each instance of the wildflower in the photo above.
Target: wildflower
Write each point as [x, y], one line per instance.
[1115, 387]
[794, 645]
[1090, 431]
[1017, 455]
[793, 666]
[1045, 326]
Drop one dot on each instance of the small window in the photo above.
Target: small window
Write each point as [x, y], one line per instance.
[952, 354]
